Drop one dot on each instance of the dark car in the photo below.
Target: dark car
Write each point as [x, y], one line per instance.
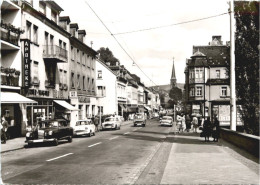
[139, 119]
[50, 131]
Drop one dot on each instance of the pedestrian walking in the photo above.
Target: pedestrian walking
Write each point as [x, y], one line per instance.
[188, 122]
[4, 127]
[215, 130]
[179, 126]
[183, 123]
[207, 129]
[96, 123]
[195, 123]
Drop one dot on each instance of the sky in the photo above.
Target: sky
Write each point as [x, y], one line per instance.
[152, 50]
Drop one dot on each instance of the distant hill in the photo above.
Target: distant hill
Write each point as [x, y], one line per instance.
[168, 87]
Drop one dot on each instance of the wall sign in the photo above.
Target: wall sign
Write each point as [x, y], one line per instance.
[27, 61]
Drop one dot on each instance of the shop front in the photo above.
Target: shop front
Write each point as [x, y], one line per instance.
[13, 109]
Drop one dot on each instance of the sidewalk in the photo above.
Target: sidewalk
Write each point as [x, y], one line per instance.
[192, 161]
[18, 143]
[13, 144]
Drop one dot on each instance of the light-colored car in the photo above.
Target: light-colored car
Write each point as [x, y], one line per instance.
[140, 119]
[111, 123]
[84, 127]
[166, 121]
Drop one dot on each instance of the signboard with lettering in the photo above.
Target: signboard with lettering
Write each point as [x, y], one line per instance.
[73, 94]
[26, 66]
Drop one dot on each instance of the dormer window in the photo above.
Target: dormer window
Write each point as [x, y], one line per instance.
[54, 16]
[42, 7]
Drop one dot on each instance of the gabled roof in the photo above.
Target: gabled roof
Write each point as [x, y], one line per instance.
[198, 54]
[65, 18]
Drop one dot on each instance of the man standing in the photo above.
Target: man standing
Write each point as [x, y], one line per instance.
[96, 122]
[4, 127]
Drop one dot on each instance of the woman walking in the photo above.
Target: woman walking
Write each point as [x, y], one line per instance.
[215, 130]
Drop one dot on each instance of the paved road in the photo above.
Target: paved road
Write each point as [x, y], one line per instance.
[132, 155]
[111, 157]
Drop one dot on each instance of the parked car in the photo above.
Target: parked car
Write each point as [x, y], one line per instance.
[50, 131]
[140, 119]
[111, 123]
[166, 121]
[84, 127]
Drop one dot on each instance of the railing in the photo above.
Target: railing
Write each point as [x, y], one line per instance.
[53, 51]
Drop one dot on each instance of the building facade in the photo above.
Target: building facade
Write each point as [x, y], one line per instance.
[106, 82]
[207, 81]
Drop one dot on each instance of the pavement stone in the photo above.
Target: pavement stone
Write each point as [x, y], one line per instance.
[192, 161]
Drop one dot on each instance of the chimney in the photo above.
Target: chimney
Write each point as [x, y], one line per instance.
[74, 29]
[217, 37]
[64, 21]
[81, 35]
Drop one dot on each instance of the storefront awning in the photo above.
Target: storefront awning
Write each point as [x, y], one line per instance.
[147, 108]
[65, 105]
[12, 97]
[131, 109]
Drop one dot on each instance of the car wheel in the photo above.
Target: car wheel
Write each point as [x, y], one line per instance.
[70, 139]
[134, 125]
[94, 133]
[143, 125]
[30, 145]
[55, 142]
[119, 128]
[90, 133]
[116, 127]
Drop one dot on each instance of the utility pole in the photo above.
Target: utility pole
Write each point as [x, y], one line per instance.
[233, 106]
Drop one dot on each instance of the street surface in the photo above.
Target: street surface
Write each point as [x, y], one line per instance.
[132, 155]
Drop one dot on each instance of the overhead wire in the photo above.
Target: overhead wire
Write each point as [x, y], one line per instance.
[175, 24]
[118, 42]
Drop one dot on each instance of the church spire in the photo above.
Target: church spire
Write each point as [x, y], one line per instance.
[173, 77]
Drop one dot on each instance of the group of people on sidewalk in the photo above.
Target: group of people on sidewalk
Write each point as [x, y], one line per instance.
[186, 123]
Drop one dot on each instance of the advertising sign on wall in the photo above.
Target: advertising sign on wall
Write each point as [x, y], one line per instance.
[27, 60]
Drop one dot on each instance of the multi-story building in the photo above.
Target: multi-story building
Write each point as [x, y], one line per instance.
[82, 74]
[121, 87]
[106, 82]
[207, 81]
[13, 104]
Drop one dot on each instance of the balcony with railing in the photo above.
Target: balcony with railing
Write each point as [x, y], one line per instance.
[10, 34]
[55, 53]
[10, 76]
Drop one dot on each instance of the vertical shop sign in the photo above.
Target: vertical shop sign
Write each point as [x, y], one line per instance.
[26, 67]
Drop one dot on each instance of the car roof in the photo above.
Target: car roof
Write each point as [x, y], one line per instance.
[167, 117]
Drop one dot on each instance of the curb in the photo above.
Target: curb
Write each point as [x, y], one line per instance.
[6, 151]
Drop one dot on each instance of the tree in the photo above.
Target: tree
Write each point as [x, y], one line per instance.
[107, 56]
[175, 95]
[247, 62]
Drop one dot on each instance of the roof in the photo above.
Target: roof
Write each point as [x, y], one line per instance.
[216, 55]
[65, 18]
[54, 5]
[74, 25]
[173, 71]
[198, 54]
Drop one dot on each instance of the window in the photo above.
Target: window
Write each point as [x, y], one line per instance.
[60, 43]
[61, 76]
[226, 73]
[65, 77]
[84, 85]
[78, 81]
[28, 30]
[72, 53]
[72, 80]
[51, 40]
[92, 84]
[99, 74]
[192, 91]
[218, 73]
[53, 16]
[223, 91]
[88, 83]
[64, 45]
[42, 7]
[35, 34]
[77, 56]
[197, 73]
[198, 91]
[83, 59]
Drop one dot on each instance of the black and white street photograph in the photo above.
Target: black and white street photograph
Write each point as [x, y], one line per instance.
[129, 92]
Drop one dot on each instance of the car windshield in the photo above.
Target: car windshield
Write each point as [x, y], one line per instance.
[167, 118]
[81, 123]
[49, 124]
[110, 119]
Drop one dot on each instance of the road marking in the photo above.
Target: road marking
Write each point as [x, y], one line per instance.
[126, 133]
[113, 138]
[59, 157]
[94, 144]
